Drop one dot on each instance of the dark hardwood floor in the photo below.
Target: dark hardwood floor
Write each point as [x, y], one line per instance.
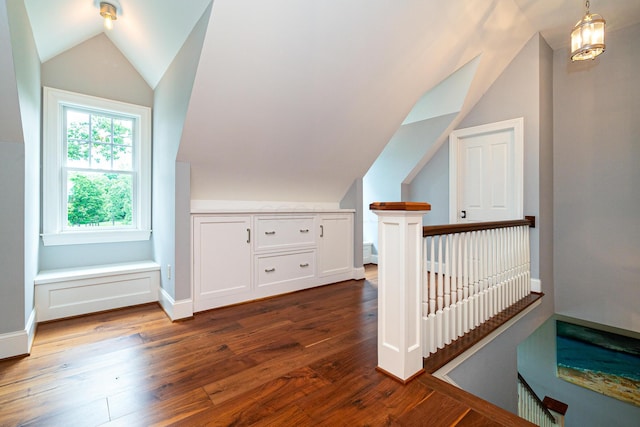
[302, 359]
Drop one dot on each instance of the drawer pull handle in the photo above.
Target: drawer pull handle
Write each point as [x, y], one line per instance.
[269, 232]
[269, 270]
[248, 235]
[322, 231]
[306, 264]
[305, 230]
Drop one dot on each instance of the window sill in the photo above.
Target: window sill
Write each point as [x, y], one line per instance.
[84, 237]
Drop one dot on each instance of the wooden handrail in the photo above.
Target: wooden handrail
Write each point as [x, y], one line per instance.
[555, 405]
[400, 206]
[436, 230]
[536, 398]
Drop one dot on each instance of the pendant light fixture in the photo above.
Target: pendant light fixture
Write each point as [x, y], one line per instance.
[110, 13]
[587, 37]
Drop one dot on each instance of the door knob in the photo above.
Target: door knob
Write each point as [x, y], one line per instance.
[463, 214]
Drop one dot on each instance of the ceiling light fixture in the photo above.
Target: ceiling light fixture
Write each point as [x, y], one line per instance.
[109, 12]
[587, 37]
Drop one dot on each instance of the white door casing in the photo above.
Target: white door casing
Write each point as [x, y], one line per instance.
[486, 172]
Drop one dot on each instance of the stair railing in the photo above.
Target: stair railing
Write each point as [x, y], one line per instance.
[471, 272]
[531, 408]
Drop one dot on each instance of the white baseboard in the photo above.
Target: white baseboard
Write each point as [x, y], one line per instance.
[176, 310]
[14, 344]
[536, 285]
[18, 343]
[358, 273]
[31, 328]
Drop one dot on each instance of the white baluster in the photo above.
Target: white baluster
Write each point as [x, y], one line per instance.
[425, 279]
[459, 289]
[447, 271]
[483, 276]
[432, 277]
[440, 288]
[465, 283]
[527, 256]
[446, 327]
[440, 295]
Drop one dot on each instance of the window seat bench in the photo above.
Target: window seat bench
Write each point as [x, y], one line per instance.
[74, 291]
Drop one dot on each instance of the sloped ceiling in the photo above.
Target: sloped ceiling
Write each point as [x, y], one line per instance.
[554, 19]
[149, 33]
[293, 100]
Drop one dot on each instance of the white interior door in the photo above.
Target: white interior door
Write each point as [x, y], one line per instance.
[486, 172]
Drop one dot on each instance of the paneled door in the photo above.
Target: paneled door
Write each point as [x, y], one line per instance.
[486, 172]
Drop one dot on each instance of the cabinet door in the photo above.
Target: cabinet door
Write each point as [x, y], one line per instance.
[335, 244]
[221, 260]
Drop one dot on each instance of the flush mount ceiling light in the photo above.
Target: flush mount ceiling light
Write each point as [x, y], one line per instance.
[109, 12]
[587, 37]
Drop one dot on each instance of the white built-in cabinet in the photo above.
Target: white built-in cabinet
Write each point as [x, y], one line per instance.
[334, 256]
[242, 257]
[222, 259]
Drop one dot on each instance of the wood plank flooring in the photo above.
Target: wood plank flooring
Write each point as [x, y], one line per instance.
[302, 359]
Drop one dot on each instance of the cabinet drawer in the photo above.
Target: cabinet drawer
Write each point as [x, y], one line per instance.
[275, 269]
[285, 232]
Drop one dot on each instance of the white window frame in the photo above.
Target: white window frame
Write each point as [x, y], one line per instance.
[53, 230]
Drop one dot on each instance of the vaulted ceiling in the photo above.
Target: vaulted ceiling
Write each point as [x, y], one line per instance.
[149, 33]
[292, 100]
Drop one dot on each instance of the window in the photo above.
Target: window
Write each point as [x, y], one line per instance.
[96, 169]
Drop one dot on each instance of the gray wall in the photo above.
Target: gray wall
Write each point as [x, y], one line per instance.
[12, 181]
[96, 67]
[522, 90]
[12, 294]
[596, 183]
[431, 185]
[27, 66]
[516, 94]
[491, 373]
[172, 97]
[383, 181]
[353, 200]
[11, 188]
[537, 364]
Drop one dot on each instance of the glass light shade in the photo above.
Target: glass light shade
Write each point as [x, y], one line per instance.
[587, 38]
[108, 23]
[109, 13]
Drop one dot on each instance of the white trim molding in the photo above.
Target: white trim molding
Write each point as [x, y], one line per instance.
[13, 344]
[443, 372]
[250, 206]
[176, 310]
[358, 273]
[54, 227]
[536, 285]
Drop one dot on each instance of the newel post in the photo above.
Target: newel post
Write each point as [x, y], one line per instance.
[399, 287]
